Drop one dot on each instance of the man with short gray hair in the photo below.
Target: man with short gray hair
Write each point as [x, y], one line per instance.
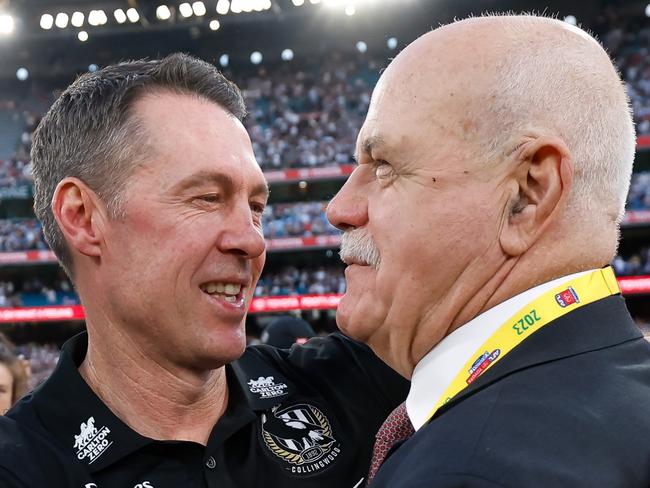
[150, 195]
[494, 164]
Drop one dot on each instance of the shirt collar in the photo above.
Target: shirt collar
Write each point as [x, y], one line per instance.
[77, 418]
[85, 426]
[437, 369]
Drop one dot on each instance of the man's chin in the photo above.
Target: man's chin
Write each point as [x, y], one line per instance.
[352, 323]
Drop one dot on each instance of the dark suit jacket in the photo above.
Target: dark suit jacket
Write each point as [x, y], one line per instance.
[569, 407]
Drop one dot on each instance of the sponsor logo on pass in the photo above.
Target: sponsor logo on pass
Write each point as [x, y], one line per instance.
[481, 364]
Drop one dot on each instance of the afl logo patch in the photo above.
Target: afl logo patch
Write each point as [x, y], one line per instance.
[301, 437]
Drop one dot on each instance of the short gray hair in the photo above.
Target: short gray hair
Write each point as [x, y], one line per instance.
[575, 93]
[90, 131]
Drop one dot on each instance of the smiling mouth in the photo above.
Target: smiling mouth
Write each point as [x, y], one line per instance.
[230, 292]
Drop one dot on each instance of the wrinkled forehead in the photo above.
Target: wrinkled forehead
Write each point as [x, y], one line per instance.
[418, 104]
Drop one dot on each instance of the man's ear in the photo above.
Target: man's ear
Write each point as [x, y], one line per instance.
[540, 186]
[79, 213]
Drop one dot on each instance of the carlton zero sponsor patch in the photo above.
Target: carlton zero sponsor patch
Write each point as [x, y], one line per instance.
[266, 387]
[91, 441]
[301, 437]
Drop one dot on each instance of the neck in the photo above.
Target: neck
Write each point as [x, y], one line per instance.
[478, 289]
[154, 399]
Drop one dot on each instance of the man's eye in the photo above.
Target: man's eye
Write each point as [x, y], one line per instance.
[258, 208]
[209, 198]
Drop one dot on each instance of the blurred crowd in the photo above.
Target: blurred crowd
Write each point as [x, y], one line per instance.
[628, 42]
[297, 220]
[634, 264]
[17, 170]
[36, 292]
[300, 281]
[307, 113]
[638, 197]
[309, 116]
[21, 235]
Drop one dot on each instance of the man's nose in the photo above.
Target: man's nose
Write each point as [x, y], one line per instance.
[349, 207]
[241, 235]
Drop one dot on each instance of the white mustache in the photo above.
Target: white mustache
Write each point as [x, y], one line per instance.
[357, 246]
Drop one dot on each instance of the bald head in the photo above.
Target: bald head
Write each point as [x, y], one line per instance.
[494, 81]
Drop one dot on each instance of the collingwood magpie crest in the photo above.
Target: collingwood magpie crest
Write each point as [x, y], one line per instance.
[301, 436]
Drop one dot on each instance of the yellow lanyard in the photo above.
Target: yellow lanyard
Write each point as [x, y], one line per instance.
[552, 305]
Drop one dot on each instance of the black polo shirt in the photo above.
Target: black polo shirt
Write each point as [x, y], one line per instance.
[301, 417]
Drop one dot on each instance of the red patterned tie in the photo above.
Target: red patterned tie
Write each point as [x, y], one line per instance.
[396, 428]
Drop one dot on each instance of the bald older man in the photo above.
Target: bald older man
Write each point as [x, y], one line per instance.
[493, 168]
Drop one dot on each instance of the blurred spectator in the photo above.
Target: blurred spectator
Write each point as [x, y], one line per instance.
[41, 360]
[638, 197]
[635, 264]
[286, 331]
[13, 375]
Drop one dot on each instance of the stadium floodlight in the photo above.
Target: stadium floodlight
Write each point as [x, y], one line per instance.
[571, 19]
[235, 7]
[224, 60]
[163, 12]
[392, 43]
[97, 17]
[22, 74]
[185, 9]
[258, 5]
[133, 15]
[256, 57]
[350, 10]
[223, 6]
[6, 24]
[298, 3]
[362, 47]
[647, 10]
[82, 36]
[77, 19]
[120, 16]
[61, 20]
[93, 67]
[287, 55]
[214, 25]
[47, 21]
[314, 2]
[199, 9]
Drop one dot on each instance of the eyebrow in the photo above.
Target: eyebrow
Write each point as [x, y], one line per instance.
[203, 178]
[368, 145]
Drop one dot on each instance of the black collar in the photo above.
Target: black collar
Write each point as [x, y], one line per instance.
[77, 418]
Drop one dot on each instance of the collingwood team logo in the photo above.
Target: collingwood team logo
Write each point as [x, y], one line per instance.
[91, 442]
[267, 387]
[301, 436]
